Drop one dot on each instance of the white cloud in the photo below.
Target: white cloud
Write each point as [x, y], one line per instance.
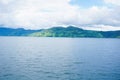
[115, 2]
[36, 14]
[101, 28]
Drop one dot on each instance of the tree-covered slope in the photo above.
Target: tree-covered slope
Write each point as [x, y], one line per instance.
[70, 31]
[75, 32]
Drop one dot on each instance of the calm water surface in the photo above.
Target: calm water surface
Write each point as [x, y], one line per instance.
[32, 58]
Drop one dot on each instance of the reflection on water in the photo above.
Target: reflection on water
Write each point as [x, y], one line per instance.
[28, 58]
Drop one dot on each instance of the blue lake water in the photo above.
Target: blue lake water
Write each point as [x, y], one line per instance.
[33, 58]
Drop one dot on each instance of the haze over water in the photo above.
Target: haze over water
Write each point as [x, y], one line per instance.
[34, 58]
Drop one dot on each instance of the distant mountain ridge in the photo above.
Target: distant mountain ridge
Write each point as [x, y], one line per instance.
[70, 31]
[15, 32]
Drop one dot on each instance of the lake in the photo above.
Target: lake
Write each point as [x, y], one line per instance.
[35, 58]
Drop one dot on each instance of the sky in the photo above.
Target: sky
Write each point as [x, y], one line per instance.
[102, 15]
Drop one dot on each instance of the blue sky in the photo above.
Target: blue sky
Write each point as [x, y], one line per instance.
[87, 3]
[36, 14]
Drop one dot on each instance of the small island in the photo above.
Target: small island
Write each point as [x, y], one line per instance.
[69, 31]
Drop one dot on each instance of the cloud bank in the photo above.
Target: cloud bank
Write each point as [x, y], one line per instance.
[36, 14]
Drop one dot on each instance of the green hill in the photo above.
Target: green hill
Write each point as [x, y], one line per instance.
[70, 31]
[75, 32]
